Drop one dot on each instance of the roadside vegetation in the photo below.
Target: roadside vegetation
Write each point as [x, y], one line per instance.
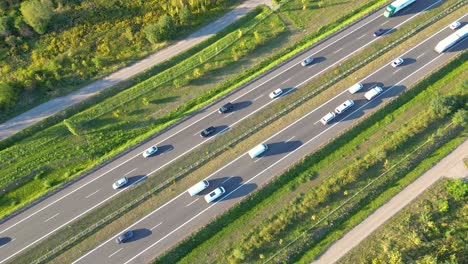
[310, 204]
[49, 48]
[102, 131]
[38, 165]
[179, 186]
[431, 229]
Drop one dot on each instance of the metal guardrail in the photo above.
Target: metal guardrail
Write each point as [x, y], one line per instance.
[248, 133]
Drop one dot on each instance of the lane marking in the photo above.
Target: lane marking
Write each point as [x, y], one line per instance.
[227, 195]
[192, 202]
[92, 193]
[397, 71]
[385, 22]
[115, 253]
[156, 226]
[376, 17]
[51, 217]
[286, 80]
[258, 97]
[202, 119]
[130, 172]
[419, 56]
[226, 179]
[257, 159]
[290, 138]
[317, 122]
[362, 36]
[338, 50]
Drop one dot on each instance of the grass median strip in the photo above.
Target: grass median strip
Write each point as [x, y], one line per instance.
[294, 202]
[151, 203]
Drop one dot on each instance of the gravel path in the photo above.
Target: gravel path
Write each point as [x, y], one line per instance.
[58, 104]
[451, 166]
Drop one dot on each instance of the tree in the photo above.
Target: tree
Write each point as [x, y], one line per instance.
[461, 118]
[8, 96]
[152, 33]
[5, 26]
[185, 15]
[167, 27]
[443, 105]
[37, 14]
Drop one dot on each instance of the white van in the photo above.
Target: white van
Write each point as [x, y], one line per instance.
[215, 194]
[355, 88]
[327, 118]
[344, 106]
[255, 152]
[197, 188]
[373, 93]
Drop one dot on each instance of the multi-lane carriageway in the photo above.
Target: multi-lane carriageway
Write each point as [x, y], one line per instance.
[31, 226]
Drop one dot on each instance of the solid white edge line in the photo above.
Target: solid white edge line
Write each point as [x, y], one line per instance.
[227, 195]
[61, 198]
[174, 134]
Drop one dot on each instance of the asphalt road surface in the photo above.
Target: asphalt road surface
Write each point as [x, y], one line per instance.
[31, 226]
[451, 166]
[58, 104]
[175, 220]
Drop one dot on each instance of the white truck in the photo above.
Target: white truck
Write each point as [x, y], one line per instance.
[451, 40]
[397, 6]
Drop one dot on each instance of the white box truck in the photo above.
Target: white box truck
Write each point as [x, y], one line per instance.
[258, 150]
[397, 6]
[451, 40]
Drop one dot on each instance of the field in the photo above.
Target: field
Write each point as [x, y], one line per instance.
[431, 229]
[76, 42]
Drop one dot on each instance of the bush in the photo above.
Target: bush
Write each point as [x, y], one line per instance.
[37, 14]
[457, 188]
[8, 96]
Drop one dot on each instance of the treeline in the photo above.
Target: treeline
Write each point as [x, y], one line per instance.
[48, 47]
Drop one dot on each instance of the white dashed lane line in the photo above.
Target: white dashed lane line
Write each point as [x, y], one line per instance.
[51, 217]
[89, 195]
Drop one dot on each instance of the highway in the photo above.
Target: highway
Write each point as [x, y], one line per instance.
[36, 223]
[175, 220]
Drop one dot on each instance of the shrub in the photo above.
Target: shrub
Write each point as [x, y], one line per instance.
[8, 96]
[37, 14]
[457, 188]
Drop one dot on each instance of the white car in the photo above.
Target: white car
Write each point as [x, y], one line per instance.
[344, 106]
[327, 118]
[150, 151]
[215, 194]
[276, 93]
[355, 88]
[397, 62]
[455, 25]
[307, 61]
[120, 183]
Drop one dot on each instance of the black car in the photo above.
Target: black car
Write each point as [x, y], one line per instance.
[124, 237]
[379, 32]
[208, 131]
[225, 108]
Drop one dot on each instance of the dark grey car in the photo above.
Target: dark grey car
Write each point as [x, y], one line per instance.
[124, 237]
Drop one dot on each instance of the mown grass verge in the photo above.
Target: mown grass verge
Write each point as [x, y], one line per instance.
[176, 186]
[431, 229]
[39, 163]
[272, 233]
[92, 152]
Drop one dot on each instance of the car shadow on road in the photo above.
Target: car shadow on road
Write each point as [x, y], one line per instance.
[139, 234]
[223, 181]
[4, 241]
[163, 149]
[318, 60]
[136, 179]
[281, 148]
[240, 105]
[288, 90]
[407, 61]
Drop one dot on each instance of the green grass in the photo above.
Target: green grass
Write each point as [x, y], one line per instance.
[172, 188]
[92, 147]
[431, 229]
[85, 40]
[121, 127]
[255, 212]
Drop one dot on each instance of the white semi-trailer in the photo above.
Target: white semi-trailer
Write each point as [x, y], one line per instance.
[397, 6]
[451, 40]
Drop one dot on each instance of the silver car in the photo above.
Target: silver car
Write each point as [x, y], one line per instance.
[215, 194]
[120, 183]
[307, 61]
